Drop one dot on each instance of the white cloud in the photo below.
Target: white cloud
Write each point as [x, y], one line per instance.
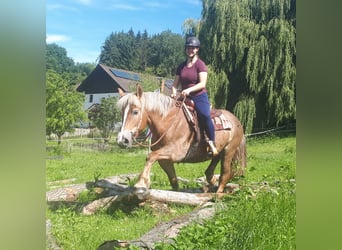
[56, 38]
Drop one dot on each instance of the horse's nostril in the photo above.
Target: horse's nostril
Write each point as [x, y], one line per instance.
[126, 141]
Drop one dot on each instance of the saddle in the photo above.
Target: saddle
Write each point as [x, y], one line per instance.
[219, 120]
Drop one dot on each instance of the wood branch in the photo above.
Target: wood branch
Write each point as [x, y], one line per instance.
[51, 242]
[71, 192]
[94, 206]
[194, 199]
[117, 193]
[111, 192]
[164, 232]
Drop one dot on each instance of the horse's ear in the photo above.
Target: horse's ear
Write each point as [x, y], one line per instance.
[139, 91]
[121, 93]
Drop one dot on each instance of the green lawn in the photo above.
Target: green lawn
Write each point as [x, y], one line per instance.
[255, 218]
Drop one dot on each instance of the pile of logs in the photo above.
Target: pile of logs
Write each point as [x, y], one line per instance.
[112, 190]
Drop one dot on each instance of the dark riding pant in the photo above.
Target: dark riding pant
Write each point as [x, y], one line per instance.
[202, 106]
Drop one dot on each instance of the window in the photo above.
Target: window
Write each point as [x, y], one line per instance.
[90, 98]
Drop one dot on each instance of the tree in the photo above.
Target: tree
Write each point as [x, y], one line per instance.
[57, 59]
[118, 51]
[254, 44]
[104, 115]
[190, 27]
[64, 105]
[142, 50]
[158, 55]
[166, 52]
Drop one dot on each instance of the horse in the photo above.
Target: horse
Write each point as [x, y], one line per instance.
[174, 141]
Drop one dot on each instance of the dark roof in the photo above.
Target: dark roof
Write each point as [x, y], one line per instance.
[104, 79]
[167, 89]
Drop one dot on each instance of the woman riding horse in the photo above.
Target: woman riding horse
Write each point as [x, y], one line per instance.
[191, 75]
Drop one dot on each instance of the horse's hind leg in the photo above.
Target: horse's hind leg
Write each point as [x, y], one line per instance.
[226, 168]
[209, 172]
[169, 169]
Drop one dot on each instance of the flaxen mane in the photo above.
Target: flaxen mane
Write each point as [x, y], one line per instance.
[152, 101]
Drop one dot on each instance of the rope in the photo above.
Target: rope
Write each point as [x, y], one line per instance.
[265, 132]
[180, 104]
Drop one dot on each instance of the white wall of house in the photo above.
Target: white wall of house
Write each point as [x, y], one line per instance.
[91, 99]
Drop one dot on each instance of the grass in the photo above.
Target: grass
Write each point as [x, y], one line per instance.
[75, 231]
[266, 221]
[257, 216]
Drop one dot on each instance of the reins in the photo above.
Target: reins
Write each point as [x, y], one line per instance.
[178, 104]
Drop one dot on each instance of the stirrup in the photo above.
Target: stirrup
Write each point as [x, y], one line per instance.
[213, 149]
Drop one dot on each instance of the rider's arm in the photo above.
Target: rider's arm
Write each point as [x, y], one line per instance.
[175, 86]
[199, 86]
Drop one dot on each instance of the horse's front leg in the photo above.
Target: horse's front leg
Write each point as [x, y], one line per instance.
[169, 169]
[144, 181]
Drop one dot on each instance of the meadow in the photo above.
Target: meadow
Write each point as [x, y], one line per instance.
[260, 215]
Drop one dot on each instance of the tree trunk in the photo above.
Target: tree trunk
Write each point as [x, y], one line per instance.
[59, 139]
[71, 192]
[164, 232]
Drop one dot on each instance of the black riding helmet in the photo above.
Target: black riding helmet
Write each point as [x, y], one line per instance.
[193, 42]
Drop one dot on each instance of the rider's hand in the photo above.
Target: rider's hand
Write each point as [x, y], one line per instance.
[185, 93]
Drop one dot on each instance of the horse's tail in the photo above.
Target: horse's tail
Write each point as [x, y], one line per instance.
[240, 157]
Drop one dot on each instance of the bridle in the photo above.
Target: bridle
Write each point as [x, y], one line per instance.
[178, 104]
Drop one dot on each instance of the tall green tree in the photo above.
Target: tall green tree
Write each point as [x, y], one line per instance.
[254, 44]
[57, 59]
[190, 27]
[104, 116]
[119, 50]
[166, 52]
[142, 51]
[158, 54]
[64, 105]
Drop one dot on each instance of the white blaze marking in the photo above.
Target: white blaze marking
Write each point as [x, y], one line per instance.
[124, 120]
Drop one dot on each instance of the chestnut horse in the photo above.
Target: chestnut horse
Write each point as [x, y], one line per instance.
[173, 139]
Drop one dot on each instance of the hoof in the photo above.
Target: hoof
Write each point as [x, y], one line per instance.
[141, 193]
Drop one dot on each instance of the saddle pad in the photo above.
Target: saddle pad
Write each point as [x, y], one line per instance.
[221, 122]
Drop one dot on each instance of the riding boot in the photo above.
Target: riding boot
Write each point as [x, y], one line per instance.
[213, 149]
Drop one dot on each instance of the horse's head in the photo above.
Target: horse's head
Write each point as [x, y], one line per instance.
[133, 120]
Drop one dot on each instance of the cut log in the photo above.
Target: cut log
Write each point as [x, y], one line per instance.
[193, 199]
[50, 239]
[71, 192]
[164, 232]
[102, 203]
[113, 192]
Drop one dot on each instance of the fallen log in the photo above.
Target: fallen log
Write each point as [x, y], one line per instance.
[164, 232]
[111, 191]
[116, 193]
[51, 242]
[193, 199]
[71, 192]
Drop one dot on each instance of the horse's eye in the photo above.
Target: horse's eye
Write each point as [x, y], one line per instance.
[135, 112]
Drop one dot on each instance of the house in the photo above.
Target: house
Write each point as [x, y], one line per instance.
[104, 82]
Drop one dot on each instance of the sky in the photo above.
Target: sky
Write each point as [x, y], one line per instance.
[82, 26]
